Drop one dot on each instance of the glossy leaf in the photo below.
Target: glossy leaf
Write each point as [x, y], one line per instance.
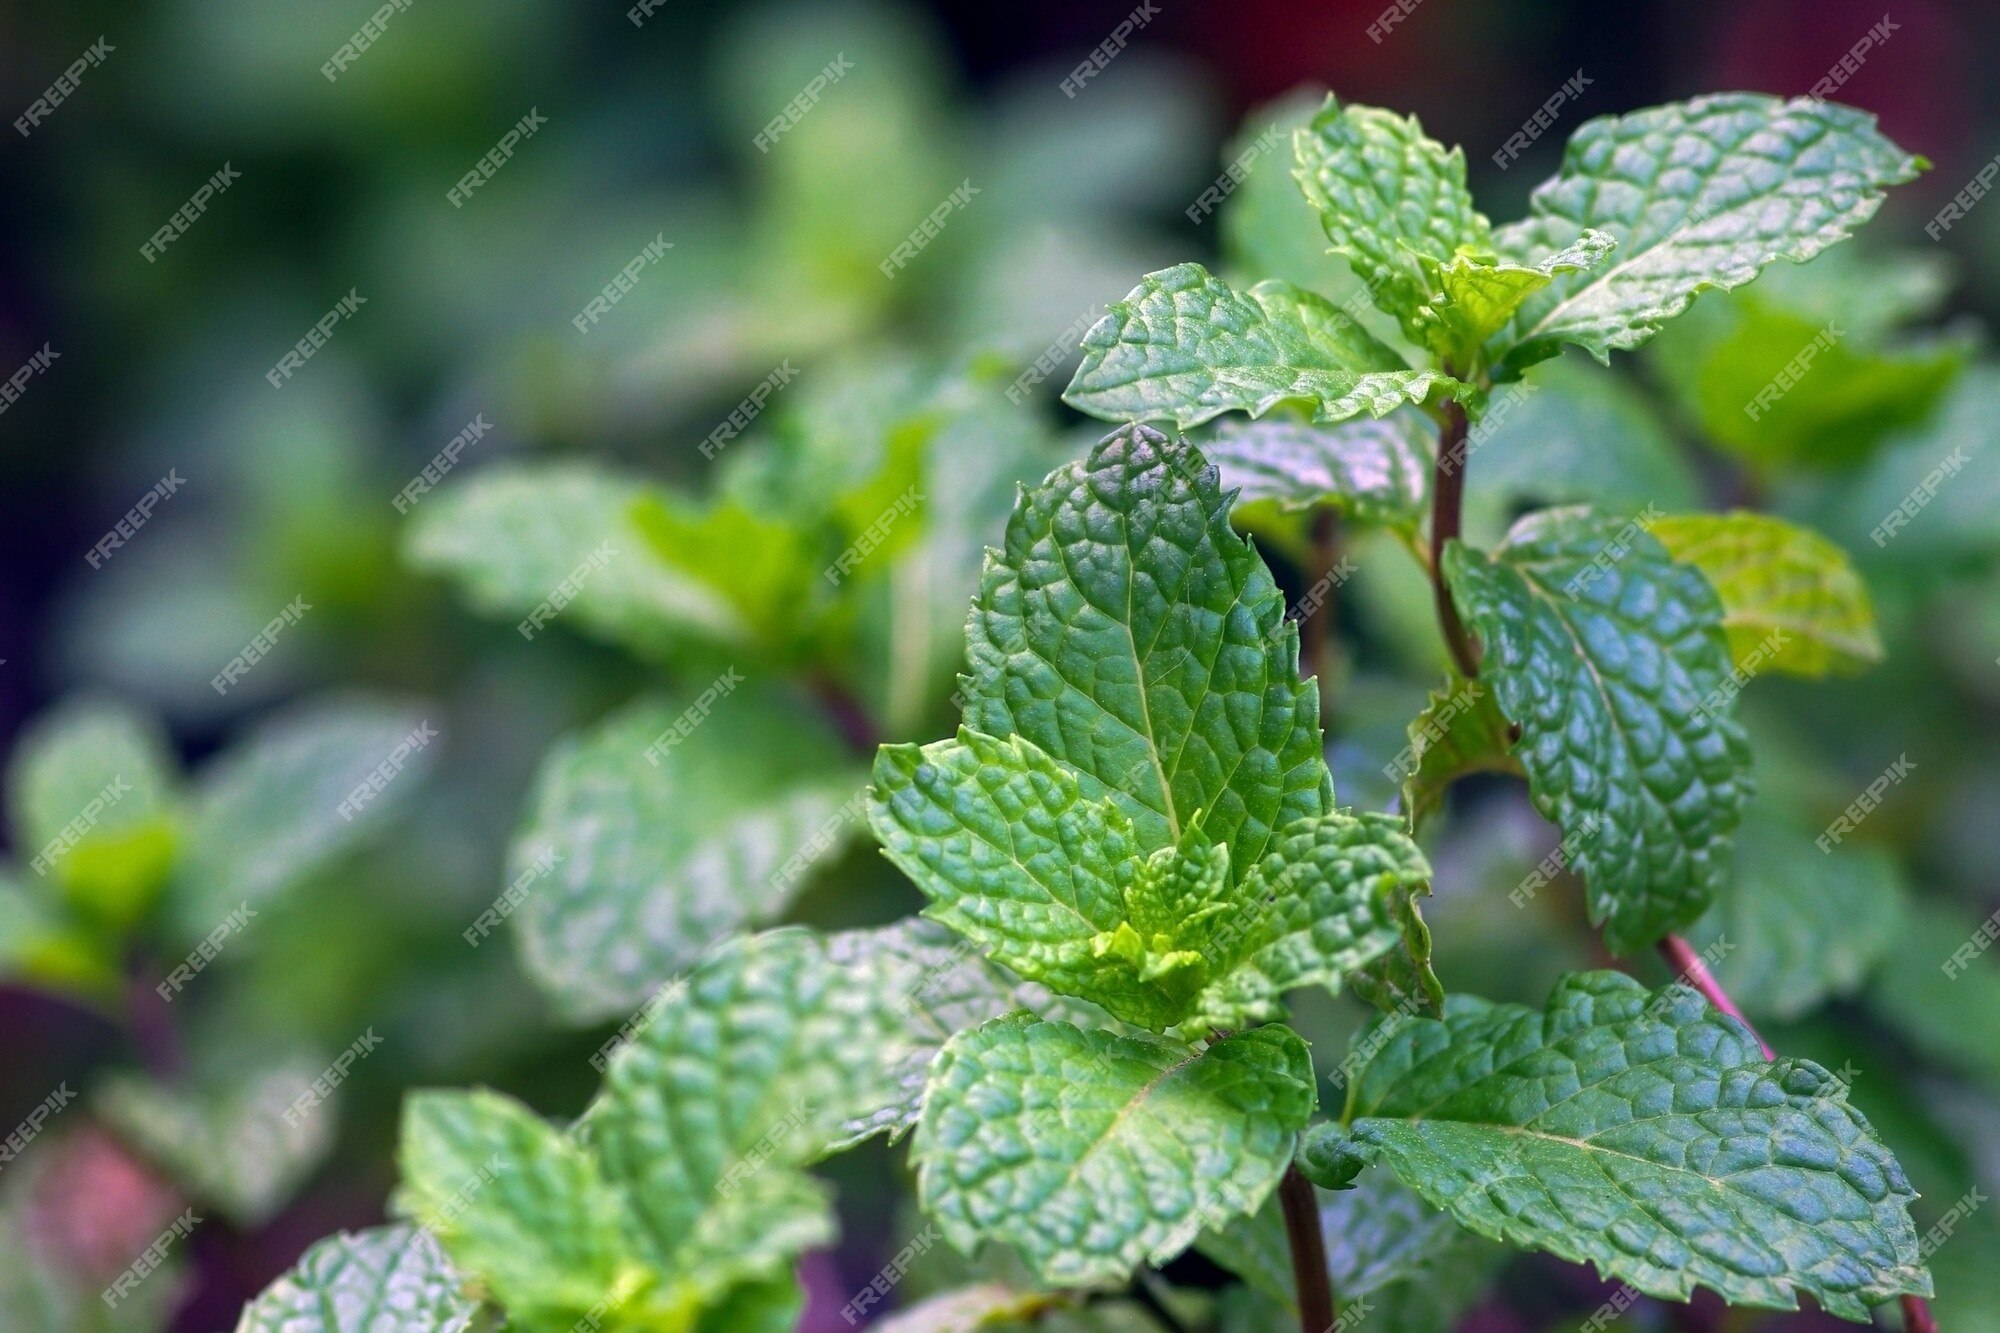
[386, 1278]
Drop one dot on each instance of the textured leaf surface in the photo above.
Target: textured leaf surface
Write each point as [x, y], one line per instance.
[1460, 731]
[1477, 295]
[1127, 631]
[1796, 926]
[1090, 1153]
[1774, 575]
[1389, 197]
[1184, 347]
[778, 1050]
[634, 867]
[1645, 1133]
[1375, 471]
[510, 535]
[1699, 194]
[515, 1202]
[307, 785]
[385, 1280]
[1611, 659]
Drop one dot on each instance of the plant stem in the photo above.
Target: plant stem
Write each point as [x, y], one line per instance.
[1688, 966]
[1447, 499]
[846, 711]
[1308, 1245]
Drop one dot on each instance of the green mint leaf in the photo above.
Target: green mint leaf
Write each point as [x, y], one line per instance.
[1611, 659]
[770, 582]
[1184, 348]
[93, 806]
[518, 538]
[1797, 925]
[1389, 198]
[1091, 1153]
[1776, 576]
[1331, 896]
[306, 786]
[1460, 731]
[1372, 470]
[1127, 631]
[392, 1277]
[1017, 859]
[1645, 1133]
[1699, 194]
[667, 826]
[1477, 294]
[968, 1309]
[1782, 389]
[517, 1204]
[777, 1051]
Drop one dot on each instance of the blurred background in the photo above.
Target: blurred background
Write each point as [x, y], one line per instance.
[176, 497]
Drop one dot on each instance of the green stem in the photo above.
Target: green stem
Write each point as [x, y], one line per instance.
[1308, 1245]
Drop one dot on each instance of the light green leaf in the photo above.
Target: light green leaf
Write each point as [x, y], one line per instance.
[1773, 575]
[386, 1278]
[1126, 630]
[777, 1051]
[1091, 1153]
[1184, 348]
[1374, 471]
[1389, 198]
[307, 785]
[226, 1141]
[1460, 731]
[92, 805]
[1611, 659]
[1477, 294]
[1699, 194]
[770, 580]
[519, 538]
[1797, 926]
[1645, 1133]
[668, 826]
[970, 1308]
[518, 1205]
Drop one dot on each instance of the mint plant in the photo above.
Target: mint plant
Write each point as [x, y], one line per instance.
[1131, 850]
